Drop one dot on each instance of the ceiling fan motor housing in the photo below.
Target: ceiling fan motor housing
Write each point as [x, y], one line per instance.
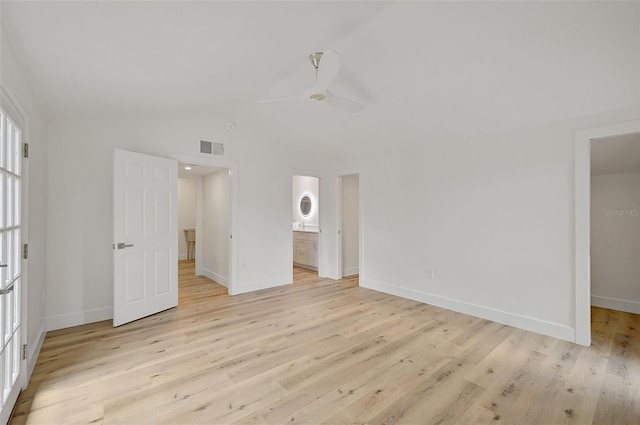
[318, 96]
[315, 59]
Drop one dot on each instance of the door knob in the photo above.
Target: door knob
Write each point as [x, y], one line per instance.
[122, 245]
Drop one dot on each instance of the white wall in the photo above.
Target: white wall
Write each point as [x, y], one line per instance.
[492, 216]
[350, 225]
[306, 185]
[216, 226]
[186, 212]
[490, 213]
[79, 232]
[13, 81]
[615, 241]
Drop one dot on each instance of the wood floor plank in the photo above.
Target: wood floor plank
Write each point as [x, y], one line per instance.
[330, 353]
[619, 401]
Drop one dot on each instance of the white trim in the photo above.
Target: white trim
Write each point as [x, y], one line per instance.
[583, 221]
[616, 304]
[8, 103]
[305, 266]
[34, 352]
[262, 284]
[340, 272]
[350, 271]
[183, 256]
[232, 166]
[523, 322]
[339, 260]
[80, 318]
[199, 225]
[222, 280]
[13, 109]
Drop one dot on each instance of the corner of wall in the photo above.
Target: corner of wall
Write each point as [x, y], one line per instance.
[243, 288]
[34, 352]
[222, 280]
[64, 321]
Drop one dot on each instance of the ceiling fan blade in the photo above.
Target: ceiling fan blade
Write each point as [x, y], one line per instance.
[344, 104]
[284, 99]
[327, 69]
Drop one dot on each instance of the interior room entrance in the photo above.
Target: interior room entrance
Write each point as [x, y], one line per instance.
[306, 227]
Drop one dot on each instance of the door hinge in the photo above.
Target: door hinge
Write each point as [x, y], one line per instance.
[25, 251]
[24, 352]
[25, 150]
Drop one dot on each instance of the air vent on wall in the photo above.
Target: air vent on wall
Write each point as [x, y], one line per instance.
[211, 147]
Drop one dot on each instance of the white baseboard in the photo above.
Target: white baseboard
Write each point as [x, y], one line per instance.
[34, 352]
[183, 256]
[616, 304]
[261, 284]
[81, 318]
[305, 266]
[523, 322]
[350, 271]
[222, 280]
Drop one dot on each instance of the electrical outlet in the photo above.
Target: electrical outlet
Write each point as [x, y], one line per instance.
[429, 273]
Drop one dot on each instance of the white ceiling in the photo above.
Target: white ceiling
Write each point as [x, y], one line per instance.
[423, 69]
[195, 171]
[612, 155]
[160, 57]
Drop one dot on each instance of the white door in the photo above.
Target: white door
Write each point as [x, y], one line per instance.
[10, 264]
[145, 249]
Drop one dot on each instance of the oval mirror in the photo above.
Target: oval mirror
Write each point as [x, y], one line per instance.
[305, 205]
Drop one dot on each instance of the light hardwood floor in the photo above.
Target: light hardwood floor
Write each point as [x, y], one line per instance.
[329, 352]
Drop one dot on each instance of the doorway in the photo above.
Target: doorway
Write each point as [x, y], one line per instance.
[306, 227]
[349, 226]
[212, 254]
[582, 204]
[204, 221]
[615, 222]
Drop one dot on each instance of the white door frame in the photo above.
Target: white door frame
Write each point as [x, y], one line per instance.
[583, 140]
[12, 108]
[232, 166]
[339, 221]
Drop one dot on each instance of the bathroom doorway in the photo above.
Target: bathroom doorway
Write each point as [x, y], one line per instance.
[306, 227]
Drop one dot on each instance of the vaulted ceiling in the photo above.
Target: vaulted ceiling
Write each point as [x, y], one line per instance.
[423, 69]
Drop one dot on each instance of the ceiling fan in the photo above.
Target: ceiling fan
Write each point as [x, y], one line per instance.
[327, 65]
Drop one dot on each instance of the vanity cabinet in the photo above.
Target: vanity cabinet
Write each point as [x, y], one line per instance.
[305, 250]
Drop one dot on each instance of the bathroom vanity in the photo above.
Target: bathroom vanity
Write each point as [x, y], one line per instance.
[305, 249]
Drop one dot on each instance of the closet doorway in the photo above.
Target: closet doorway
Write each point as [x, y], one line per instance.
[349, 226]
[205, 200]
